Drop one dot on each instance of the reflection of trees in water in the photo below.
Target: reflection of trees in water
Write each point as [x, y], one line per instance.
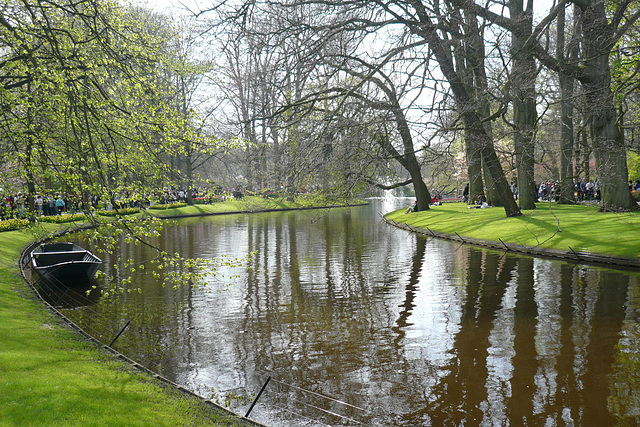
[609, 314]
[564, 339]
[159, 315]
[339, 308]
[410, 293]
[624, 398]
[344, 334]
[460, 394]
[317, 333]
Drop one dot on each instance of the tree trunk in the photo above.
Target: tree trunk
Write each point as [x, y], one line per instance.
[608, 139]
[477, 132]
[474, 125]
[566, 195]
[611, 161]
[566, 141]
[188, 161]
[474, 170]
[523, 80]
[422, 192]
[408, 159]
[500, 181]
[491, 194]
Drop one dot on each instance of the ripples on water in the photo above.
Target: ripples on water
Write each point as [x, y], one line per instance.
[409, 331]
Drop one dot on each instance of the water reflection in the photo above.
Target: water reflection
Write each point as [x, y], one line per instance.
[83, 293]
[409, 331]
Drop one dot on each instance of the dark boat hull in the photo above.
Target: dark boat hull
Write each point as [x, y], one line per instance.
[64, 262]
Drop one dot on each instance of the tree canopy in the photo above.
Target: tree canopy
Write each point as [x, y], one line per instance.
[338, 97]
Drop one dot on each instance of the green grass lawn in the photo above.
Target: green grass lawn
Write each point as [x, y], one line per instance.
[248, 204]
[584, 229]
[48, 376]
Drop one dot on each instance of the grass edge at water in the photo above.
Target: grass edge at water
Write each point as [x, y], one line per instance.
[582, 227]
[49, 375]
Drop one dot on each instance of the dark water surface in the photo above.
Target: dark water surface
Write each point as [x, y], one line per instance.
[396, 329]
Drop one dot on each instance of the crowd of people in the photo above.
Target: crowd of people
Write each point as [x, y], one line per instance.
[584, 190]
[16, 206]
[203, 195]
[47, 204]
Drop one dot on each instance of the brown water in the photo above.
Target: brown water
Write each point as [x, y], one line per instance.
[395, 329]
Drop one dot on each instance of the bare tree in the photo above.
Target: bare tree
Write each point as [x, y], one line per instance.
[398, 24]
[600, 31]
[523, 80]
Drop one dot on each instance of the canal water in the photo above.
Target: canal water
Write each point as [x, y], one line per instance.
[360, 323]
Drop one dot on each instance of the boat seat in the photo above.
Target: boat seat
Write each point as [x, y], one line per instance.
[49, 258]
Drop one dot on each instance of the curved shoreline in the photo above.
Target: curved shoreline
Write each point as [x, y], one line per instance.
[570, 256]
[266, 210]
[23, 265]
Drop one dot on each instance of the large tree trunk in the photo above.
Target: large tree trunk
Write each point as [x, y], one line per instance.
[608, 140]
[422, 192]
[523, 80]
[474, 171]
[566, 195]
[611, 159]
[408, 158]
[189, 181]
[474, 125]
[491, 193]
[477, 132]
[472, 70]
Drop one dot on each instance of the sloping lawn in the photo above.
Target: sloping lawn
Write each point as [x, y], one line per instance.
[49, 377]
[248, 204]
[582, 227]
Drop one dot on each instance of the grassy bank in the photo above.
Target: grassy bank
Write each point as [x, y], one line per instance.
[584, 229]
[248, 204]
[48, 376]
[51, 376]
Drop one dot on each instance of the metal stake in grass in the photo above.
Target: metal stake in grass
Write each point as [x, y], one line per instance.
[258, 396]
[575, 253]
[119, 333]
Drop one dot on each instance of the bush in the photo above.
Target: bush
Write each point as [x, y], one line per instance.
[636, 195]
[13, 224]
[59, 219]
[125, 211]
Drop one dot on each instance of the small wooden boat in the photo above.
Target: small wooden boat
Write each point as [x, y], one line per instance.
[64, 262]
